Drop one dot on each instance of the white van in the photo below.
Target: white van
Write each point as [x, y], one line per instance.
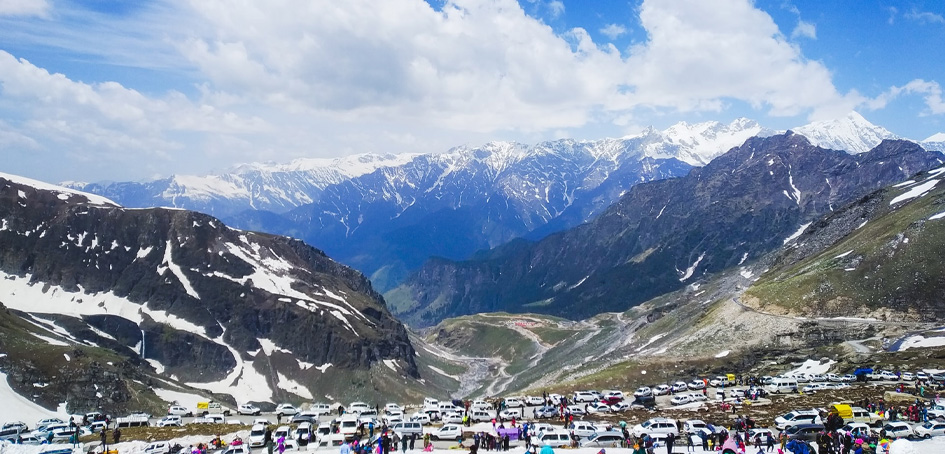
[554, 438]
[429, 402]
[780, 385]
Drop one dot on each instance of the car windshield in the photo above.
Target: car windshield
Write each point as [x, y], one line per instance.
[927, 425]
[646, 424]
[257, 432]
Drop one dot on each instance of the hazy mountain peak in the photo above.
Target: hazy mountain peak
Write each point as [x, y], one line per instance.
[938, 137]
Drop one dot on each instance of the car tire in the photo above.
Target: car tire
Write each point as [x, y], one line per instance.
[926, 436]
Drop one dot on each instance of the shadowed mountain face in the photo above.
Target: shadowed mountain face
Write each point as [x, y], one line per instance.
[662, 235]
[204, 298]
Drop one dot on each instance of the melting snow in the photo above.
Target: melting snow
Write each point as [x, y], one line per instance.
[25, 410]
[323, 367]
[813, 367]
[67, 357]
[392, 364]
[50, 340]
[937, 216]
[269, 346]
[692, 268]
[921, 341]
[441, 372]
[185, 399]
[722, 354]
[175, 269]
[904, 184]
[746, 273]
[844, 254]
[652, 339]
[917, 191]
[797, 233]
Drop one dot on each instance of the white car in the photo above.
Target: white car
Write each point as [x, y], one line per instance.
[599, 407]
[514, 402]
[453, 417]
[898, 429]
[680, 399]
[656, 425]
[393, 408]
[584, 429]
[534, 400]
[680, 386]
[257, 436]
[661, 390]
[796, 417]
[179, 410]
[357, 407]
[448, 432]
[248, 409]
[856, 429]
[286, 410]
[907, 376]
[698, 397]
[696, 384]
[171, 420]
[584, 396]
[620, 406]
[930, 429]
[576, 410]
[238, 449]
[421, 418]
[834, 378]
[643, 391]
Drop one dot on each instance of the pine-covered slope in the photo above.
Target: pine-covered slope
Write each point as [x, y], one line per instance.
[257, 316]
[662, 235]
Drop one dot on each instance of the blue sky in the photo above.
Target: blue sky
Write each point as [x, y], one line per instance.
[129, 90]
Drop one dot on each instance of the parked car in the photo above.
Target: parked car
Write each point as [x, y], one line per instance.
[238, 449]
[320, 409]
[448, 432]
[797, 417]
[158, 447]
[555, 438]
[179, 410]
[898, 429]
[421, 418]
[257, 436]
[584, 396]
[806, 432]
[303, 434]
[680, 399]
[599, 407]
[584, 429]
[696, 384]
[656, 425]
[514, 402]
[608, 439]
[534, 400]
[620, 406]
[680, 386]
[171, 420]
[248, 409]
[643, 391]
[930, 429]
[286, 410]
[547, 411]
[661, 390]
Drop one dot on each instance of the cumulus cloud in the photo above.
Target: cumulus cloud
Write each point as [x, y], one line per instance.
[804, 30]
[613, 31]
[930, 91]
[284, 78]
[24, 7]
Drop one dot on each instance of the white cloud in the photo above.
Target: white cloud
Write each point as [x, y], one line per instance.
[24, 7]
[925, 17]
[613, 31]
[931, 92]
[804, 30]
[556, 7]
[288, 78]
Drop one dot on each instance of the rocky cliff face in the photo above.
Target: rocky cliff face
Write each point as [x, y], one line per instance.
[663, 235]
[202, 302]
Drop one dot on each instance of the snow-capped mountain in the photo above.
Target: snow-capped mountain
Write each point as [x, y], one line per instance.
[252, 315]
[852, 133]
[935, 142]
[393, 212]
[257, 186]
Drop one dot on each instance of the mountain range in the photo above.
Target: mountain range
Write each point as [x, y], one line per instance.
[662, 235]
[387, 215]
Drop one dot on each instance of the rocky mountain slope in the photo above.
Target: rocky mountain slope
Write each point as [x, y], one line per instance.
[860, 286]
[662, 235]
[259, 317]
[878, 258]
